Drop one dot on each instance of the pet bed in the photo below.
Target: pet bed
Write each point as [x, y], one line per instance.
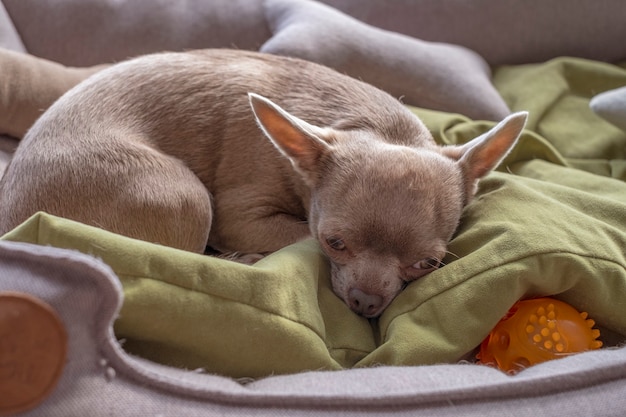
[210, 336]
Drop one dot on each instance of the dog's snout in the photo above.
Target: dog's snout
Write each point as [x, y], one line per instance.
[365, 304]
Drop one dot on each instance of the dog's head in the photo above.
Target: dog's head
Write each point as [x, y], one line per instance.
[382, 213]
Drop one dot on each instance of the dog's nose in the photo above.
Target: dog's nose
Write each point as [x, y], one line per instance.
[365, 304]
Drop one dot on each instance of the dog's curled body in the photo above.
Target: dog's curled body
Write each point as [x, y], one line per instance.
[165, 148]
[135, 148]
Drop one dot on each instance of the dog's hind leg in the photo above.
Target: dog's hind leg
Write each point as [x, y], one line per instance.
[171, 208]
[129, 189]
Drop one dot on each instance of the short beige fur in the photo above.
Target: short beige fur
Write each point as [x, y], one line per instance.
[170, 148]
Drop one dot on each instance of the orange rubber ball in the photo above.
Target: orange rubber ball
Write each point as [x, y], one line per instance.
[535, 331]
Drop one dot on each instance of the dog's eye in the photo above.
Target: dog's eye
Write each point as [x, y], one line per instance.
[428, 263]
[335, 243]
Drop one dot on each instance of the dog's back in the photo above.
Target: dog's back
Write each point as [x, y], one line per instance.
[138, 145]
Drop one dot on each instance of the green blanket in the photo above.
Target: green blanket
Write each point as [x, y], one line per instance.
[552, 221]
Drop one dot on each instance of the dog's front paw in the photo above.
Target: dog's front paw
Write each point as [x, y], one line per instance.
[242, 258]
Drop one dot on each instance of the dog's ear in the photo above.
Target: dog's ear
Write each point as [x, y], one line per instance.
[300, 141]
[481, 155]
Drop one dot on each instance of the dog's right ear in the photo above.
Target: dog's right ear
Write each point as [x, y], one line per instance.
[298, 140]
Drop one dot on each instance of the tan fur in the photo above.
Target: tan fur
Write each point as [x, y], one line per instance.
[165, 148]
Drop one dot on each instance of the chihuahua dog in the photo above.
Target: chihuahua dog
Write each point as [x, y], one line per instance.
[248, 153]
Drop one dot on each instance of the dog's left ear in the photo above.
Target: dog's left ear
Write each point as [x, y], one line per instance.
[303, 143]
[481, 155]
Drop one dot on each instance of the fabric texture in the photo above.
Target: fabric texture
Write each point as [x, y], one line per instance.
[542, 226]
[101, 379]
[432, 75]
[505, 32]
[9, 38]
[90, 32]
[194, 311]
[557, 95]
[86, 33]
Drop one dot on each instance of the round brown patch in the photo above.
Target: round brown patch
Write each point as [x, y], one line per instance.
[33, 346]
